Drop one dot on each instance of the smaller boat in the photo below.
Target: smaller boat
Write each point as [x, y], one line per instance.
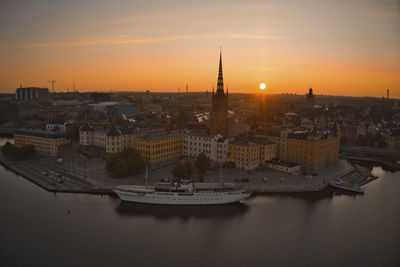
[339, 183]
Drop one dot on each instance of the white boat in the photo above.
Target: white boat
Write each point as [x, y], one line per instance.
[339, 183]
[183, 193]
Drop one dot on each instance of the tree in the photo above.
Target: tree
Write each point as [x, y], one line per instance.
[189, 168]
[24, 152]
[202, 163]
[179, 170]
[27, 151]
[7, 148]
[126, 162]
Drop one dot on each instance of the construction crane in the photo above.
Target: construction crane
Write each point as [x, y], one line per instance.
[52, 84]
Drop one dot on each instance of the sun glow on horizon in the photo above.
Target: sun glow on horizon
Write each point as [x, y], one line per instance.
[262, 86]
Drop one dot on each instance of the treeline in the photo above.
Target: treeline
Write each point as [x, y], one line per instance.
[187, 169]
[126, 162]
[23, 152]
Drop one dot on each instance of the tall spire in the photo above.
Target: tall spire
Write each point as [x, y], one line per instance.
[220, 84]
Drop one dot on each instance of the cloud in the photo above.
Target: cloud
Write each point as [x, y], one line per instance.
[124, 39]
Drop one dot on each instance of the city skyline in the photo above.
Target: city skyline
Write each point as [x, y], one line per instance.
[341, 48]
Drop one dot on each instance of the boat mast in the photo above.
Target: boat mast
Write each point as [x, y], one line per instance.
[147, 173]
[220, 176]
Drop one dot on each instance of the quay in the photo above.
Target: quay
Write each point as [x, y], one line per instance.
[32, 170]
[258, 182]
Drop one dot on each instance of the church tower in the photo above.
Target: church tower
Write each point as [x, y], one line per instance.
[219, 111]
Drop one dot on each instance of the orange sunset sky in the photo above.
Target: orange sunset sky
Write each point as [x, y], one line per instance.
[342, 47]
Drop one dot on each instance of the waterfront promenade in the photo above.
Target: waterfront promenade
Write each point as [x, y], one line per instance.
[88, 176]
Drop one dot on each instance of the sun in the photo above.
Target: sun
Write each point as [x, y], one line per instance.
[262, 86]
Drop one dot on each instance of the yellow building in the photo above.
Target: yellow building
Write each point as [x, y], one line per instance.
[311, 149]
[110, 137]
[248, 154]
[160, 149]
[268, 152]
[245, 154]
[45, 141]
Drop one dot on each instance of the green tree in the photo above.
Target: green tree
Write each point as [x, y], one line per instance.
[189, 168]
[7, 148]
[24, 152]
[126, 162]
[179, 170]
[202, 163]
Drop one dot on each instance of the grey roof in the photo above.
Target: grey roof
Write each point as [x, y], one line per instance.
[86, 128]
[114, 131]
[39, 132]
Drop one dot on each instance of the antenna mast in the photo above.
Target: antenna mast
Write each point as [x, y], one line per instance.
[52, 84]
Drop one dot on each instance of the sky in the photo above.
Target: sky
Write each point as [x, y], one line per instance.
[338, 47]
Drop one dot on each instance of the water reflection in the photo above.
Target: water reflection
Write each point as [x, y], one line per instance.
[313, 197]
[184, 212]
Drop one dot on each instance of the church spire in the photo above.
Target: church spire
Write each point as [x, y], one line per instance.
[220, 84]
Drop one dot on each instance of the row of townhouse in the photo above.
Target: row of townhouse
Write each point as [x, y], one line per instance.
[163, 148]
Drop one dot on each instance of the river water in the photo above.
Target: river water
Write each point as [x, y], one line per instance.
[327, 228]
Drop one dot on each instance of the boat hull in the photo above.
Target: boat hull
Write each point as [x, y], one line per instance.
[182, 199]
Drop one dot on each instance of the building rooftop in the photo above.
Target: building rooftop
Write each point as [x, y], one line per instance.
[243, 142]
[114, 131]
[159, 135]
[39, 132]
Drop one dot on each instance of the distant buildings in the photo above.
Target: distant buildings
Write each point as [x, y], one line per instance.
[45, 141]
[116, 110]
[366, 128]
[310, 96]
[58, 125]
[30, 93]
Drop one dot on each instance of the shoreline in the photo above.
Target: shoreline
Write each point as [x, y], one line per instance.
[254, 186]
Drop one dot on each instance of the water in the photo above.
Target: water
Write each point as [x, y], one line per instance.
[39, 228]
